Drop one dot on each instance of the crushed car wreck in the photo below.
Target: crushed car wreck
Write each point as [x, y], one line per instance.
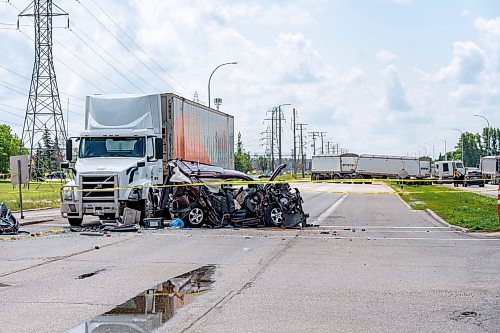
[218, 204]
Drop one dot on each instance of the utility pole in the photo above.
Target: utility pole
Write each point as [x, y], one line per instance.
[301, 126]
[44, 117]
[294, 144]
[280, 129]
[316, 135]
[273, 118]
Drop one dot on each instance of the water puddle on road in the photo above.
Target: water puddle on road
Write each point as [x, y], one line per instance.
[153, 307]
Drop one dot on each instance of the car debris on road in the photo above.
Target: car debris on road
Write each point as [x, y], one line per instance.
[217, 204]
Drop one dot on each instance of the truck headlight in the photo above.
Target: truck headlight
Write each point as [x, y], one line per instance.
[68, 195]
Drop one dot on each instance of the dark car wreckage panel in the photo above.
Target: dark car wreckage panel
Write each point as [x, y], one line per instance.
[218, 204]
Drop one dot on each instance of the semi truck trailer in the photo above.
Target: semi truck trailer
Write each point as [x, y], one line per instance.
[123, 152]
[490, 168]
[385, 166]
[369, 166]
[333, 166]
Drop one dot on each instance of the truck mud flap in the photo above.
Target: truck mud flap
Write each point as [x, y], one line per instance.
[291, 220]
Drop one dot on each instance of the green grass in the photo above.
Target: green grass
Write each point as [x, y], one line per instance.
[39, 195]
[460, 208]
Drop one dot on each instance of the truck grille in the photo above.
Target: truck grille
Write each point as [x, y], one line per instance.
[98, 188]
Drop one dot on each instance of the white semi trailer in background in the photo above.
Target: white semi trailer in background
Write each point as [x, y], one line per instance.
[127, 141]
[333, 166]
[490, 167]
[385, 166]
[369, 166]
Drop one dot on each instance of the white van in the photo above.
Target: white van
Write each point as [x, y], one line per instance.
[445, 169]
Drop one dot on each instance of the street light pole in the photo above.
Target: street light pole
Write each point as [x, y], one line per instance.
[463, 138]
[445, 153]
[216, 68]
[432, 149]
[488, 133]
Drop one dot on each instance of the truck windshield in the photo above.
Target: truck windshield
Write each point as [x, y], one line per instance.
[112, 147]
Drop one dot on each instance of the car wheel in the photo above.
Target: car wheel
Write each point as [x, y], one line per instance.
[75, 222]
[195, 217]
[273, 216]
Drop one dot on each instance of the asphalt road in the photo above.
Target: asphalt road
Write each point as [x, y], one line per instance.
[372, 265]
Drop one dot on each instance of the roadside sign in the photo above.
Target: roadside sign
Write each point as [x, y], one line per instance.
[23, 171]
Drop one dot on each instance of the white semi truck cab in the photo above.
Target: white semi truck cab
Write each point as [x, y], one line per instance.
[119, 160]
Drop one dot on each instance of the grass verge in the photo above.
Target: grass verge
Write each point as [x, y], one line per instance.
[39, 195]
[460, 208]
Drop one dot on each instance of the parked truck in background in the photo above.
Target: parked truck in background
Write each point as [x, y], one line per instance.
[385, 166]
[445, 169]
[333, 166]
[366, 166]
[490, 168]
[123, 151]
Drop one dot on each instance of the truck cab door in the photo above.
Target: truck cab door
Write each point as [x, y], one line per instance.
[154, 168]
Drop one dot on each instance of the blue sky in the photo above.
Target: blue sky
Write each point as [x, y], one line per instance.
[379, 76]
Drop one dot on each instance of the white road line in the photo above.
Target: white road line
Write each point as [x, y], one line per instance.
[330, 210]
[331, 237]
[377, 227]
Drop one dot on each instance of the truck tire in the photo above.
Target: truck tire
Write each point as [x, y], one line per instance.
[195, 217]
[273, 216]
[75, 222]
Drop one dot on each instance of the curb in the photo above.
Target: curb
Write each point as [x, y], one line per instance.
[442, 221]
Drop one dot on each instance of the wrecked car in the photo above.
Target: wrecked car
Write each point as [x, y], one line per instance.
[203, 194]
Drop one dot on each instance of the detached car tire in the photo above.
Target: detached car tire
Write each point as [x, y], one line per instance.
[273, 216]
[195, 217]
[75, 222]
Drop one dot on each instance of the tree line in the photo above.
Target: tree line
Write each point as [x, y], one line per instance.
[475, 146]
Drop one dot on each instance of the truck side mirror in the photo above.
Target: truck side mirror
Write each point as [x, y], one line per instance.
[158, 148]
[69, 149]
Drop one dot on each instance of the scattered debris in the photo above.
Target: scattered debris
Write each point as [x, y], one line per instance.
[247, 249]
[100, 230]
[2, 285]
[8, 223]
[324, 233]
[177, 223]
[86, 275]
[363, 229]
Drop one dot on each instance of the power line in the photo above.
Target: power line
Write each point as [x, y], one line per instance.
[125, 46]
[90, 66]
[69, 68]
[110, 55]
[27, 78]
[137, 45]
[102, 58]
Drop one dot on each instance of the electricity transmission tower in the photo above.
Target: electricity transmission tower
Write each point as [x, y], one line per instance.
[44, 133]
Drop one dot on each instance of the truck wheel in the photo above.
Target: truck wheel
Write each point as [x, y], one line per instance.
[195, 217]
[273, 216]
[75, 222]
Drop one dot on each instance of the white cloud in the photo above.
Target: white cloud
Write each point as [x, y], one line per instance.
[465, 13]
[466, 65]
[386, 57]
[395, 95]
